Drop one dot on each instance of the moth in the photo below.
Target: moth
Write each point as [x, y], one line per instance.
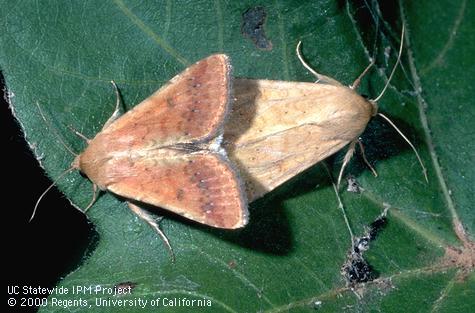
[277, 129]
[167, 152]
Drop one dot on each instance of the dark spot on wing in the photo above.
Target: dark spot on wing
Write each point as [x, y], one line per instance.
[170, 102]
[180, 193]
[208, 207]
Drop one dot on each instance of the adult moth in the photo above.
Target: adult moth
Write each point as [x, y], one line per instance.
[277, 129]
[166, 151]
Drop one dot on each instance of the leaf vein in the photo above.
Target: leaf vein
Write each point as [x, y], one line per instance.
[150, 33]
[421, 105]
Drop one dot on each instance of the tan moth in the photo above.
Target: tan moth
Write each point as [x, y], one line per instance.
[277, 129]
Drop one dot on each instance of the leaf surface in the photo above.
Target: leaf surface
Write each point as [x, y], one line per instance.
[62, 55]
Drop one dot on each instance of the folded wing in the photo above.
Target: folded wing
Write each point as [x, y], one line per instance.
[190, 108]
[201, 186]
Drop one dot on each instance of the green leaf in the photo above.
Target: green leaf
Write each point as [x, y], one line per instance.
[62, 56]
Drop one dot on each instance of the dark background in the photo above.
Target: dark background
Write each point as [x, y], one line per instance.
[41, 252]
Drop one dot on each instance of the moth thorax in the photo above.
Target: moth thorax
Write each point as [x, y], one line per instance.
[215, 145]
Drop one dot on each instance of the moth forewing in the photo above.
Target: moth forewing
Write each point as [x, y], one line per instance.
[142, 155]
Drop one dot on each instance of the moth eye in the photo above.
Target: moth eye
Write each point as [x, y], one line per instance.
[365, 96]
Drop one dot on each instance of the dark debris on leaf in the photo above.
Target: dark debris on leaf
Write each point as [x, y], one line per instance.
[356, 269]
[252, 27]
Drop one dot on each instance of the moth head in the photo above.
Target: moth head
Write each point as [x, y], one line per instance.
[374, 107]
[76, 164]
[373, 104]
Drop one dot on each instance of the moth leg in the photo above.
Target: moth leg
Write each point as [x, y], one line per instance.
[357, 82]
[94, 197]
[346, 159]
[116, 112]
[365, 159]
[87, 140]
[154, 223]
[320, 78]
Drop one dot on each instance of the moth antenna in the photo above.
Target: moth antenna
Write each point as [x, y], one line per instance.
[53, 129]
[346, 159]
[365, 159]
[395, 65]
[424, 171]
[48, 189]
[299, 55]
